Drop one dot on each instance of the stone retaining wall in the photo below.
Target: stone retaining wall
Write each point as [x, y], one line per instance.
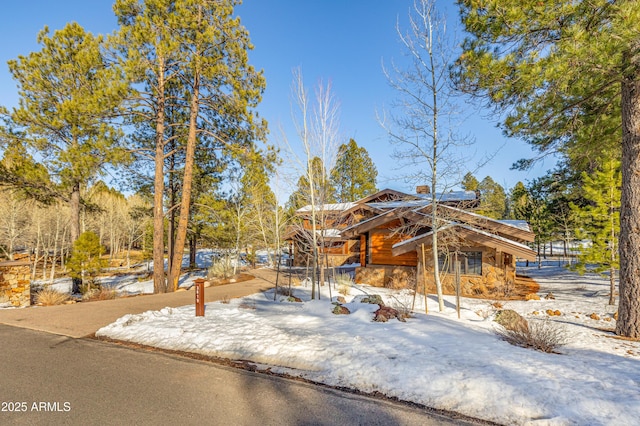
[15, 283]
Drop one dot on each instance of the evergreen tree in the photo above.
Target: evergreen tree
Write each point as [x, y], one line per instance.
[599, 221]
[67, 94]
[493, 200]
[322, 187]
[86, 262]
[469, 182]
[200, 49]
[568, 73]
[519, 202]
[354, 175]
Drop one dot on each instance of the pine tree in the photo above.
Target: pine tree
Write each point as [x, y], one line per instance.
[469, 182]
[86, 262]
[568, 75]
[67, 95]
[519, 202]
[493, 200]
[200, 49]
[354, 175]
[599, 221]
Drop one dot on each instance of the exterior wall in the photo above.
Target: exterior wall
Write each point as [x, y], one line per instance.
[381, 241]
[497, 278]
[386, 276]
[15, 283]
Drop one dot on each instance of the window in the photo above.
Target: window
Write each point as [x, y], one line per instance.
[470, 263]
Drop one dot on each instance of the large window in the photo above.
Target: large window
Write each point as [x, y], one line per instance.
[470, 262]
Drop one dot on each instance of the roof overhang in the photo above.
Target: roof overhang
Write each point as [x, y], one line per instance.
[470, 234]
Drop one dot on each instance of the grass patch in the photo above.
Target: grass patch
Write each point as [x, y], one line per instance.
[51, 297]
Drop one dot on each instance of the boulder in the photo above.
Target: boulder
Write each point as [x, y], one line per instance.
[511, 320]
[341, 310]
[385, 313]
[373, 299]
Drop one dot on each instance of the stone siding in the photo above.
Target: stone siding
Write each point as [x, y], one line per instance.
[15, 283]
[497, 279]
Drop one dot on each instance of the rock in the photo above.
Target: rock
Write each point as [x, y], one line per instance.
[511, 320]
[294, 299]
[341, 310]
[373, 299]
[341, 299]
[550, 296]
[386, 313]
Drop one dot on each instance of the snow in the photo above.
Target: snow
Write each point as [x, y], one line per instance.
[437, 359]
[138, 279]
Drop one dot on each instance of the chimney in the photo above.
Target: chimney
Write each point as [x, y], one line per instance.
[423, 189]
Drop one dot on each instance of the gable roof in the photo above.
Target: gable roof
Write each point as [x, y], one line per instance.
[470, 233]
[518, 229]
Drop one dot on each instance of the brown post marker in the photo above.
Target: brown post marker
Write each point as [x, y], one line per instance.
[199, 283]
[457, 269]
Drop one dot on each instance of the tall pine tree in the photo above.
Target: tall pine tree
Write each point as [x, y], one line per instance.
[599, 221]
[568, 75]
[354, 174]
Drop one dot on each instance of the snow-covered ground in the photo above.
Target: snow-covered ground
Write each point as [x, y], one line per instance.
[137, 280]
[436, 359]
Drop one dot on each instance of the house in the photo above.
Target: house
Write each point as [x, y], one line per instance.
[390, 234]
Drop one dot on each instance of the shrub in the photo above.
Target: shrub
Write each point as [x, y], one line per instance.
[99, 294]
[401, 279]
[85, 261]
[50, 297]
[220, 269]
[544, 336]
[344, 283]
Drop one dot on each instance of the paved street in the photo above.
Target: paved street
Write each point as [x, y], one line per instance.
[84, 381]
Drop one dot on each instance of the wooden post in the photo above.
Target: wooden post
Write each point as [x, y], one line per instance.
[424, 278]
[457, 269]
[415, 287]
[199, 291]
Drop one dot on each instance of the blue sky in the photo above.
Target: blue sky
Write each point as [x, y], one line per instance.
[344, 42]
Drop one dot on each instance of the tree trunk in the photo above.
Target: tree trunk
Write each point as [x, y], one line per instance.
[193, 245]
[159, 283]
[628, 323]
[185, 203]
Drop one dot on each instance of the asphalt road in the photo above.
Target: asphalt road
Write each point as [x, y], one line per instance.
[51, 379]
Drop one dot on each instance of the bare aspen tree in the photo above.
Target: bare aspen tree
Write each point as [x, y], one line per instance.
[317, 128]
[422, 123]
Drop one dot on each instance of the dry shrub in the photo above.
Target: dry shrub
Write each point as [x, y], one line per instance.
[480, 290]
[497, 305]
[285, 291]
[532, 296]
[401, 279]
[344, 283]
[99, 294]
[225, 299]
[51, 297]
[220, 269]
[247, 305]
[544, 336]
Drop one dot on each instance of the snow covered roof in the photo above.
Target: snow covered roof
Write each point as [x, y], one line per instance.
[520, 224]
[337, 207]
[486, 238]
[422, 200]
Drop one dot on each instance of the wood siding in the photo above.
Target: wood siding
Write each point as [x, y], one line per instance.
[381, 241]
